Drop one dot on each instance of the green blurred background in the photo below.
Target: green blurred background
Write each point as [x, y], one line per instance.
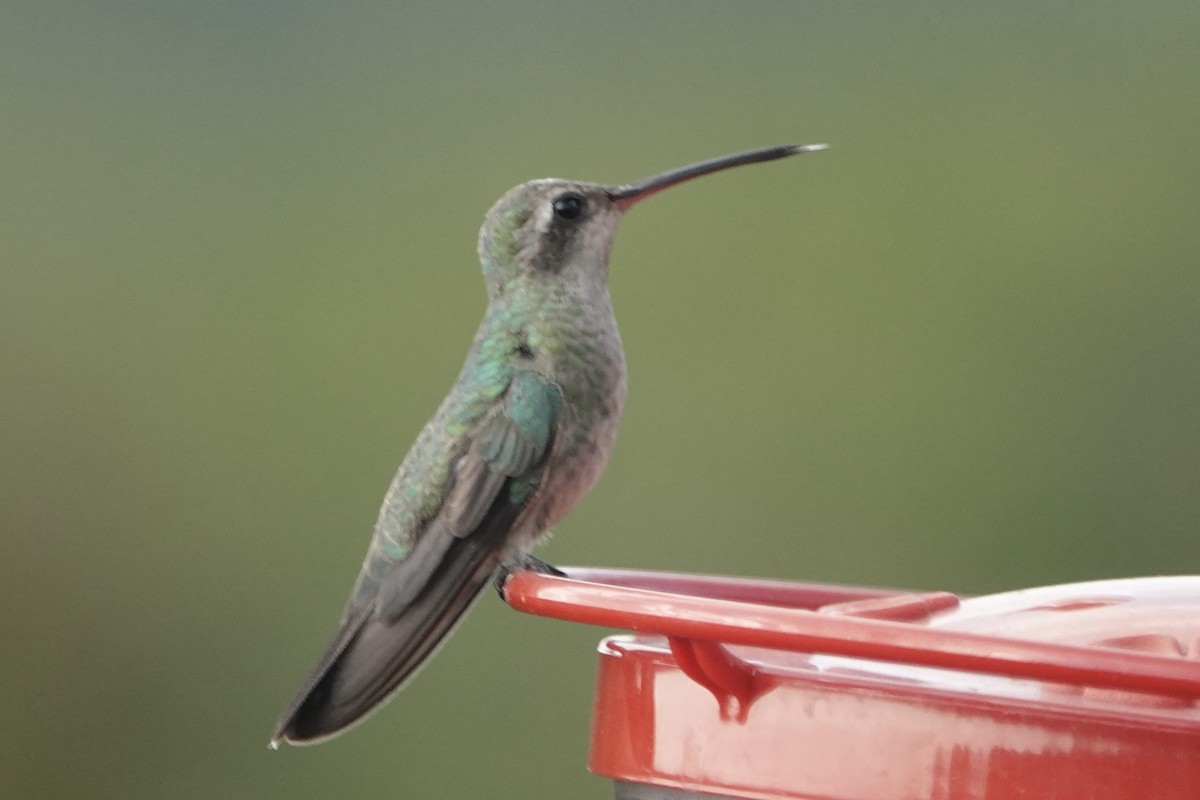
[959, 350]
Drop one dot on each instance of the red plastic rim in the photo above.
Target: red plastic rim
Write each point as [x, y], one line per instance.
[1067, 692]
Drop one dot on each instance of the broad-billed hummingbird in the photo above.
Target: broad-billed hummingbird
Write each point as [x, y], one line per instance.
[523, 435]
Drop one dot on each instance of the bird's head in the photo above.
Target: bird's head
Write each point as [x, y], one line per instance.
[562, 231]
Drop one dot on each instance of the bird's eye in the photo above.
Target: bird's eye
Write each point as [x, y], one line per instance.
[569, 206]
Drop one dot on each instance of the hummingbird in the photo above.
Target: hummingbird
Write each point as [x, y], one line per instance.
[522, 436]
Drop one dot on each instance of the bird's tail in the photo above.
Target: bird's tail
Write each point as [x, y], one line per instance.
[375, 651]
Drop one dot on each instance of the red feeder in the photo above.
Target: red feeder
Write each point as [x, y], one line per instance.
[737, 688]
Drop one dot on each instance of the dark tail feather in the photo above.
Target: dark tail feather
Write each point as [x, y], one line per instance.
[372, 655]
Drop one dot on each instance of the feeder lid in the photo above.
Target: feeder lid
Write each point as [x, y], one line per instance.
[758, 689]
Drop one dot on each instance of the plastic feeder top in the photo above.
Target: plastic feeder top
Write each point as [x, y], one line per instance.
[761, 689]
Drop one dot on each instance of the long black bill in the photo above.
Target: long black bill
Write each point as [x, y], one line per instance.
[627, 195]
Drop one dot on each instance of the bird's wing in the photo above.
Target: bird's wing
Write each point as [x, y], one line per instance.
[492, 480]
[392, 627]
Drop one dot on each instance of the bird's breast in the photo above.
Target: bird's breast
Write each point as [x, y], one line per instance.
[589, 368]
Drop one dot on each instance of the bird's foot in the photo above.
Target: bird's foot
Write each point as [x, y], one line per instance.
[526, 562]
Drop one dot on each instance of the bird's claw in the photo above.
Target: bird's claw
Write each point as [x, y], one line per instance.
[526, 562]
